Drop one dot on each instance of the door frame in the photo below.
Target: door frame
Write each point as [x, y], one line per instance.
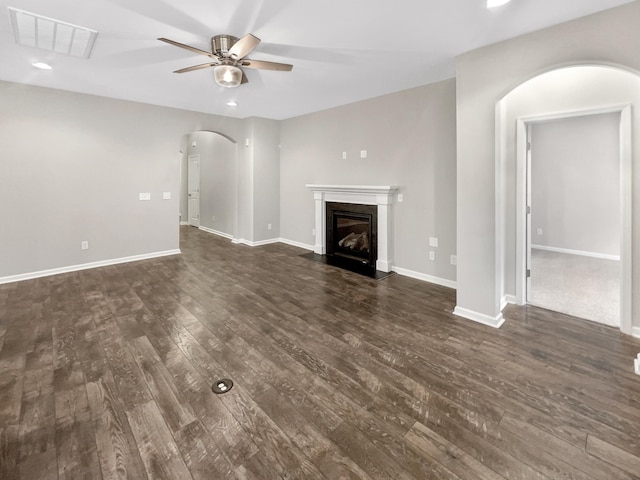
[189, 174]
[523, 130]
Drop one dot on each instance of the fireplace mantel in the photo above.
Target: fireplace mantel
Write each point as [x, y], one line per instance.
[382, 196]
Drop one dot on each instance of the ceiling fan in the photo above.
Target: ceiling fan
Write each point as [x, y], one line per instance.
[228, 54]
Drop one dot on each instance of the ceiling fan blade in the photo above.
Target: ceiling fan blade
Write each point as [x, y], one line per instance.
[261, 64]
[197, 67]
[244, 46]
[187, 47]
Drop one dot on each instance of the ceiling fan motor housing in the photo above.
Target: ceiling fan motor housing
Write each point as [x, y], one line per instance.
[221, 44]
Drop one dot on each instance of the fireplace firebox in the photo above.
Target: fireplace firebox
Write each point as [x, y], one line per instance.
[351, 235]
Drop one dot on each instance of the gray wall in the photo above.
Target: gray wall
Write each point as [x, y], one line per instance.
[266, 177]
[483, 78]
[410, 140]
[575, 184]
[72, 168]
[217, 180]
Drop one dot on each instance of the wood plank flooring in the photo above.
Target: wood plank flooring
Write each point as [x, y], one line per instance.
[106, 373]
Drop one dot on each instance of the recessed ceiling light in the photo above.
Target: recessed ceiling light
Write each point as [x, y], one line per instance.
[42, 66]
[496, 3]
[232, 103]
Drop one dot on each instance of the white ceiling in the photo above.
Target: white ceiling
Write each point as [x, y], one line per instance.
[342, 50]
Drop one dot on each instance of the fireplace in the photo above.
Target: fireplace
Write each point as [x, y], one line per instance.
[351, 234]
[378, 198]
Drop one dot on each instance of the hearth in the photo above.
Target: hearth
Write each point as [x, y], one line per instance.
[351, 235]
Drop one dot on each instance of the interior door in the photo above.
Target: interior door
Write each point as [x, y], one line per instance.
[528, 170]
[194, 190]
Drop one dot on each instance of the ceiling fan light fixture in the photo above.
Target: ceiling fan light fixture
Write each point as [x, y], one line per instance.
[228, 76]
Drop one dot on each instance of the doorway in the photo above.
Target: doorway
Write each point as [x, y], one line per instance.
[527, 231]
[194, 190]
[573, 224]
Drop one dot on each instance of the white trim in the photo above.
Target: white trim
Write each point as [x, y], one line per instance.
[184, 223]
[508, 300]
[86, 266]
[425, 278]
[495, 322]
[576, 252]
[242, 241]
[293, 243]
[635, 331]
[215, 232]
[385, 190]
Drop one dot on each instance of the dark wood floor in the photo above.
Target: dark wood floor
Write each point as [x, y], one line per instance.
[106, 373]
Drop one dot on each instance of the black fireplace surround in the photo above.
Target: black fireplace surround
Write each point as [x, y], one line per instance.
[352, 231]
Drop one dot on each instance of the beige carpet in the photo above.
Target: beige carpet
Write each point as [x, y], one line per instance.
[581, 286]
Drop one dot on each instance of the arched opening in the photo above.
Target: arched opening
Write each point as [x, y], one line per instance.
[569, 92]
[208, 198]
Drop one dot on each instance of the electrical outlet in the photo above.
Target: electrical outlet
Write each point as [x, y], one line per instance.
[363, 154]
[268, 226]
[144, 196]
[84, 245]
[400, 198]
[344, 155]
[432, 255]
[166, 195]
[539, 231]
[453, 260]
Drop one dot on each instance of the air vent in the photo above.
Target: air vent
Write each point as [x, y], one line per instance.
[32, 30]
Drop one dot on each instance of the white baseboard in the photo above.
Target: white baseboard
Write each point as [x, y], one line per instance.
[296, 244]
[215, 232]
[635, 331]
[495, 322]
[242, 241]
[424, 277]
[506, 300]
[577, 252]
[86, 266]
[184, 223]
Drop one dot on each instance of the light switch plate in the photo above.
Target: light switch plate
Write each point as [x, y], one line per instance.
[144, 196]
[433, 242]
[166, 195]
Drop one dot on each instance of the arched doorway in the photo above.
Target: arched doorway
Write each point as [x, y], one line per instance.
[561, 93]
[215, 155]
